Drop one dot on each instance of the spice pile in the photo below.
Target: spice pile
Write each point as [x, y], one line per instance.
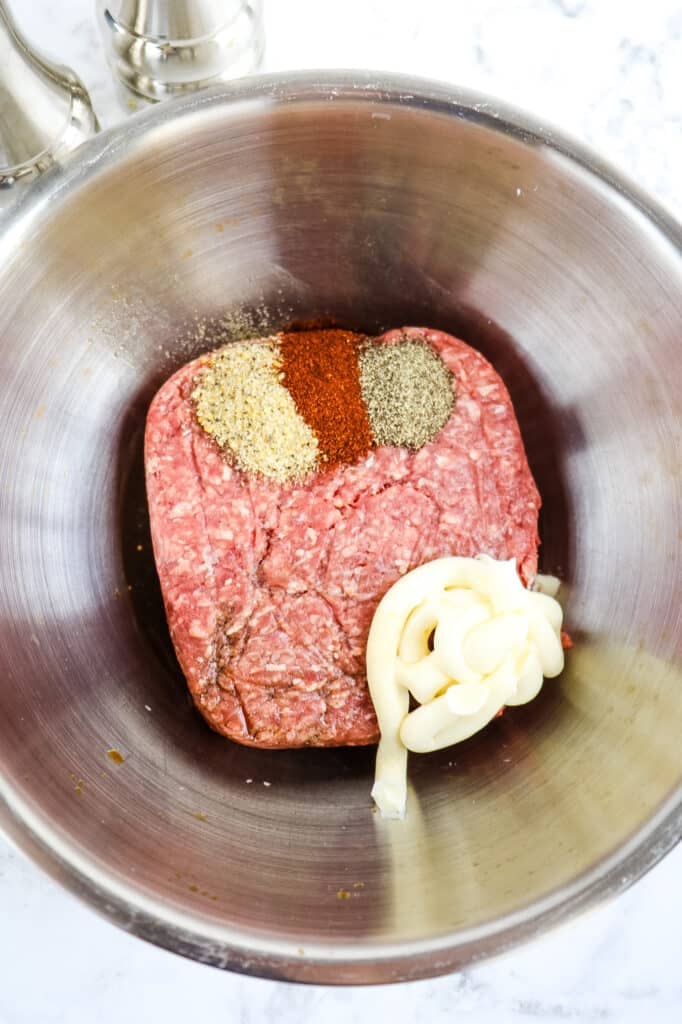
[321, 373]
[297, 402]
[408, 393]
[242, 404]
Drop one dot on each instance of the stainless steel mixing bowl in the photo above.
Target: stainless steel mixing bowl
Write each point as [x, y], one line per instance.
[369, 202]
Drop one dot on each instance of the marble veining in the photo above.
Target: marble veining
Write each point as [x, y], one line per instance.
[609, 72]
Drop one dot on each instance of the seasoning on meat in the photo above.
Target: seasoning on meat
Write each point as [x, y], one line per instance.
[320, 370]
[242, 404]
[408, 392]
[270, 587]
[282, 406]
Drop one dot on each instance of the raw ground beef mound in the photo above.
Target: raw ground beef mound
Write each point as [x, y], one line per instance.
[270, 588]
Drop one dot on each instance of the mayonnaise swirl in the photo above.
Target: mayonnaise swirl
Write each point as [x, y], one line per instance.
[465, 638]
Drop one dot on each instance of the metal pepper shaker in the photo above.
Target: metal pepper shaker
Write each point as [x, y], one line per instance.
[160, 48]
[45, 110]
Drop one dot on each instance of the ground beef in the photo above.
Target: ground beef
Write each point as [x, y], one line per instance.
[270, 588]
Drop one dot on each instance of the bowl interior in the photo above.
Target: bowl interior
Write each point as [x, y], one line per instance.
[367, 209]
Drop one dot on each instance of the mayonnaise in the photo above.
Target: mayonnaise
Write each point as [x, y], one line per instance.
[465, 638]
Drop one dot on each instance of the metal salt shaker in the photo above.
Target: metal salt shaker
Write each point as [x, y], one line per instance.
[161, 48]
[45, 111]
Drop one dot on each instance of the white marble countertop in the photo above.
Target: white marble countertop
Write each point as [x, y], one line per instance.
[608, 71]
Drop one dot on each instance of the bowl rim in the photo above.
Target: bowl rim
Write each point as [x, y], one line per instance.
[199, 937]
